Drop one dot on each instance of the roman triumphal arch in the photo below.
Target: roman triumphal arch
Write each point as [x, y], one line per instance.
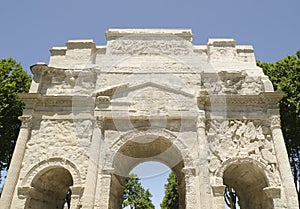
[95, 112]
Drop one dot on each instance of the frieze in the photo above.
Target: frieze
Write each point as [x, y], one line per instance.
[144, 47]
[262, 99]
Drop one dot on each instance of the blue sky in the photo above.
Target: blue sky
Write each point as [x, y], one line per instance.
[153, 176]
[30, 28]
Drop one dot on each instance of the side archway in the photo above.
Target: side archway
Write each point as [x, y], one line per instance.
[48, 183]
[249, 178]
[37, 169]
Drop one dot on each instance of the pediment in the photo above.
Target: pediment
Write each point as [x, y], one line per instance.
[148, 98]
[124, 90]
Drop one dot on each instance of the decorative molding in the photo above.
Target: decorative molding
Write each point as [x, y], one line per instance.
[218, 190]
[131, 46]
[262, 99]
[77, 190]
[40, 168]
[24, 192]
[272, 192]
[38, 68]
[117, 33]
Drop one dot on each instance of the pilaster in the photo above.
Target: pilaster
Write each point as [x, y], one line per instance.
[93, 166]
[203, 174]
[283, 162]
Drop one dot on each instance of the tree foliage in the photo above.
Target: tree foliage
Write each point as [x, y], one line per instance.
[171, 198]
[285, 76]
[13, 80]
[135, 196]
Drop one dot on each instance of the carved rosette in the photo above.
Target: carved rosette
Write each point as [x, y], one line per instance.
[26, 121]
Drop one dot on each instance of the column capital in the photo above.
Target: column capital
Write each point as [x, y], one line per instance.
[275, 121]
[26, 121]
[201, 120]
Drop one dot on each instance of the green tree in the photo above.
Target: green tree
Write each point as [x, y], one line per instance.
[135, 196]
[171, 198]
[13, 80]
[285, 76]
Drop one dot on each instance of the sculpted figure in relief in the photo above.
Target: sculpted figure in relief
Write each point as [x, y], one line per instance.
[240, 138]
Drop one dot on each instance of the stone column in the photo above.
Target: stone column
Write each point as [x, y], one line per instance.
[88, 198]
[204, 180]
[283, 162]
[16, 163]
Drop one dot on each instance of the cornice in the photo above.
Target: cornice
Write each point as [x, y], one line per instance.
[36, 99]
[262, 99]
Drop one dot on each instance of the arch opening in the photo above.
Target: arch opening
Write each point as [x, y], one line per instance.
[152, 176]
[248, 181]
[140, 150]
[51, 187]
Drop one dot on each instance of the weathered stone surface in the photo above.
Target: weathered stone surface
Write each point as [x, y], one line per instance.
[96, 112]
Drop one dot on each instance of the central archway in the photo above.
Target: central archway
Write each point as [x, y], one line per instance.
[144, 148]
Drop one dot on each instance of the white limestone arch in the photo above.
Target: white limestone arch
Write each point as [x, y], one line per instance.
[150, 132]
[176, 157]
[270, 177]
[46, 165]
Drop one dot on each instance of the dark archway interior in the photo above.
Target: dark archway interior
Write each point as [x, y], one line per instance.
[248, 180]
[50, 189]
[141, 150]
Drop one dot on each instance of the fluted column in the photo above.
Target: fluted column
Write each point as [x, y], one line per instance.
[88, 199]
[204, 180]
[283, 162]
[16, 162]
